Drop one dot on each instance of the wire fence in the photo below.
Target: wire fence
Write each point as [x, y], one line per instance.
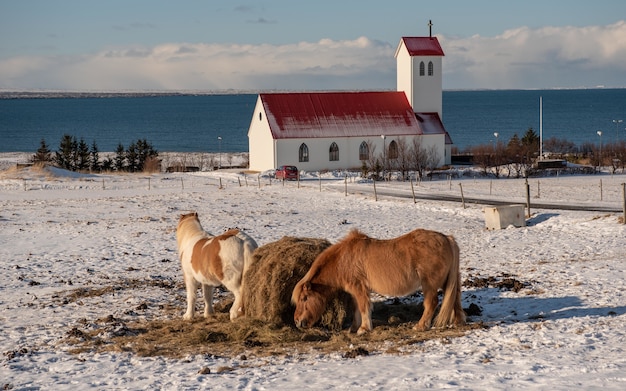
[598, 191]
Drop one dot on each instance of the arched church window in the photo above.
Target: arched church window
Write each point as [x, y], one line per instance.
[303, 153]
[422, 68]
[392, 153]
[431, 70]
[364, 151]
[333, 152]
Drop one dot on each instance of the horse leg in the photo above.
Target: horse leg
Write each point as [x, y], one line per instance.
[356, 321]
[207, 291]
[430, 304]
[236, 308]
[364, 307]
[191, 286]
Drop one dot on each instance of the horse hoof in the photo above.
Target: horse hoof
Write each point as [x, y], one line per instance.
[421, 327]
[362, 331]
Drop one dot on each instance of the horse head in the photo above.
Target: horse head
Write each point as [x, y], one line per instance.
[310, 303]
[184, 216]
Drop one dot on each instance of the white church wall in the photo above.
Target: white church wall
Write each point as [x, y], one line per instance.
[260, 142]
[426, 91]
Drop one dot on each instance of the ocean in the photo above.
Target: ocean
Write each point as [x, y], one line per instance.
[195, 123]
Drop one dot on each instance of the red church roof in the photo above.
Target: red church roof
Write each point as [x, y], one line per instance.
[423, 46]
[345, 114]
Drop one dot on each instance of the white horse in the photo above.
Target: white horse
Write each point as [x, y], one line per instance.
[210, 261]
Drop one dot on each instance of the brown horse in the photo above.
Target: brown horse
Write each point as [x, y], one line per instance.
[359, 265]
[210, 261]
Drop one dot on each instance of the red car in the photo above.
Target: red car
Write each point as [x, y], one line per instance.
[287, 172]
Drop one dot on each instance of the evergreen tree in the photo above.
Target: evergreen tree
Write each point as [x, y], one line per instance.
[145, 151]
[107, 164]
[530, 138]
[132, 157]
[94, 162]
[82, 155]
[120, 157]
[43, 154]
[64, 157]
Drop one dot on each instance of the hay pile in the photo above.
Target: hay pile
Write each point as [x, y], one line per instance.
[275, 271]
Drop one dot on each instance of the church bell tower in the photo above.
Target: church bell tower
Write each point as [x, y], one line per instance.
[419, 72]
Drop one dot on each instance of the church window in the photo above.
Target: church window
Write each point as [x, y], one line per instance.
[333, 153]
[260, 116]
[422, 69]
[431, 70]
[392, 153]
[303, 153]
[364, 151]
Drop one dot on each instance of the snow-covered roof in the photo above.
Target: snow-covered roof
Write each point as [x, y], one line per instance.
[345, 114]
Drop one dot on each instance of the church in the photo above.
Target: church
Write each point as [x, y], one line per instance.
[318, 131]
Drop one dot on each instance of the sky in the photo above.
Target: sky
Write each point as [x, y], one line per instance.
[305, 45]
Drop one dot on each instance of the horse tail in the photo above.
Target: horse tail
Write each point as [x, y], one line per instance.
[451, 312]
[249, 245]
[248, 249]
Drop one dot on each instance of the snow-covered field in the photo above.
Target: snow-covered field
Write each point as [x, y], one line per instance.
[61, 231]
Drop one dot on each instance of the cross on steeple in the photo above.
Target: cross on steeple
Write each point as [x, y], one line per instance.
[430, 28]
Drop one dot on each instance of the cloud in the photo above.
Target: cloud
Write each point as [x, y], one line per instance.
[539, 58]
[261, 20]
[517, 58]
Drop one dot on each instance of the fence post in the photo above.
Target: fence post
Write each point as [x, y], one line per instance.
[345, 185]
[320, 181]
[462, 197]
[375, 195]
[182, 184]
[412, 189]
[527, 198]
[624, 202]
[600, 189]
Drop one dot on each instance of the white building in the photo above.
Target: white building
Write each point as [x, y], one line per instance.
[339, 130]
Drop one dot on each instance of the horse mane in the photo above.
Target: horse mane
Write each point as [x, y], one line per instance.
[354, 234]
[326, 256]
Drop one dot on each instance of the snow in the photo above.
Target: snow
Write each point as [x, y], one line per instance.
[61, 231]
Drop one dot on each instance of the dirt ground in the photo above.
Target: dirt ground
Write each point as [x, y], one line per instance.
[166, 334]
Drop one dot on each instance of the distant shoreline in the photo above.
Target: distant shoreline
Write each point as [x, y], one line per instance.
[51, 94]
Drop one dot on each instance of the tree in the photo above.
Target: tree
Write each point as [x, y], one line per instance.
[423, 159]
[82, 155]
[132, 158]
[120, 157]
[65, 156]
[530, 143]
[403, 161]
[145, 151]
[94, 163]
[559, 146]
[515, 155]
[43, 154]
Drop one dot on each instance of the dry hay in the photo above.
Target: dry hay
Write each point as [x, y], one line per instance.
[275, 271]
[156, 328]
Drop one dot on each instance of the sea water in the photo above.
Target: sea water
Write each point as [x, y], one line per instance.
[213, 123]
